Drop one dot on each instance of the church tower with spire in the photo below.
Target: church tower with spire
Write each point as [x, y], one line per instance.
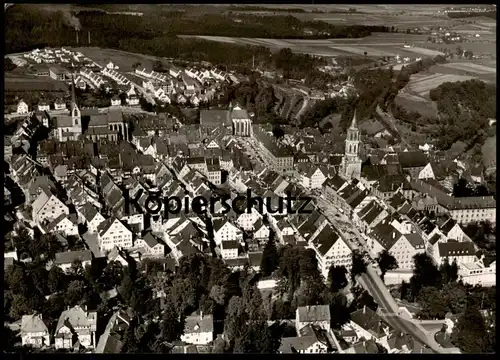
[69, 126]
[75, 111]
[351, 162]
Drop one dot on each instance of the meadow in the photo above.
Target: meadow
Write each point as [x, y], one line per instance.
[28, 83]
[124, 60]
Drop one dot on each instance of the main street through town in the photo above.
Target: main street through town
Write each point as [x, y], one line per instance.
[370, 281]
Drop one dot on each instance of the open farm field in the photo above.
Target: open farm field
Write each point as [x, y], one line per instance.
[486, 47]
[480, 31]
[326, 51]
[219, 38]
[378, 49]
[124, 60]
[360, 50]
[424, 52]
[468, 27]
[491, 63]
[273, 42]
[422, 83]
[377, 45]
[377, 37]
[19, 83]
[416, 103]
[361, 8]
[491, 24]
[471, 67]
[489, 77]
[380, 17]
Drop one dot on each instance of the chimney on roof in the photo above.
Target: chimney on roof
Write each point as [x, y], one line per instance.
[364, 309]
[393, 234]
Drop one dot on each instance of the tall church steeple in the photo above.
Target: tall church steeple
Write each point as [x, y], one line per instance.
[75, 111]
[354, 124]
[352, 140]
[351, 162]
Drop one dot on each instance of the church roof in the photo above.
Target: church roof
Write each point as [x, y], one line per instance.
[63, 121]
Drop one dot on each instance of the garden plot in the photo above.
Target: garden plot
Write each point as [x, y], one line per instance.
[470, 67]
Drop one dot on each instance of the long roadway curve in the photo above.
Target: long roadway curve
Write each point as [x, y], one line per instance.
[371, 281]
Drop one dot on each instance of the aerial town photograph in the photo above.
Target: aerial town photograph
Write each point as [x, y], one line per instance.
[258, 178]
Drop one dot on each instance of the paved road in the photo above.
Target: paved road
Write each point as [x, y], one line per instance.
[254, 148]
[305, 104]
[372, 282]
[388, 313]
